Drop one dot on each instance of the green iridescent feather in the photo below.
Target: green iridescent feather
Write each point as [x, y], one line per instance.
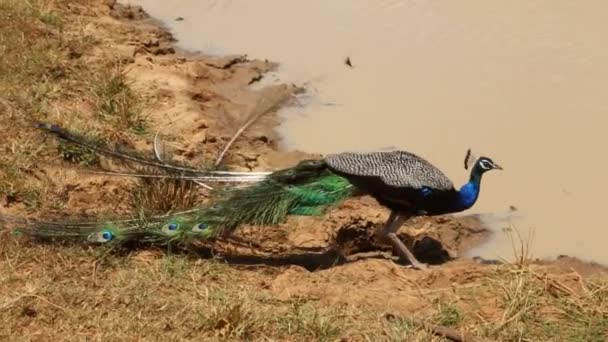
[306, 189]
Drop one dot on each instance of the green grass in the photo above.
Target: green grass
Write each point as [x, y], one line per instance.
[116, 102]
[31, 72]
[45, 76]
[448, 315]
[400, 329]
[56, 291]
[307, 320]
[34, 64]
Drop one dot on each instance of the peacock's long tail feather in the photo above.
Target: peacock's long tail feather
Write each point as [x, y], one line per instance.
[306, 189]
[163, 169]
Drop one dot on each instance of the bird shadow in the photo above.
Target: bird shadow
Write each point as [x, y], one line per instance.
[351, 244]
[312, 260]
[345, 249]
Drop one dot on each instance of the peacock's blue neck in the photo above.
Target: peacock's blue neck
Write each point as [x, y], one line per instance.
[469, 192]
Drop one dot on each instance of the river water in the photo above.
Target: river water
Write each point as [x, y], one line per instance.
[524, 82]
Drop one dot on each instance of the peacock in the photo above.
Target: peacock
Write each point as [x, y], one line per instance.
[401, 181]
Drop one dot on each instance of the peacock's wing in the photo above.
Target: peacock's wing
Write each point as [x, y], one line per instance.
[395, 169]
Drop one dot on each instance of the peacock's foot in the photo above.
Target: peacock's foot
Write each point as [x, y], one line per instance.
[452, 254]
[404, 253]
[417, 265]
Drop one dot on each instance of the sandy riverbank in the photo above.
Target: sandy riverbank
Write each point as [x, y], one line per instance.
[296, 281]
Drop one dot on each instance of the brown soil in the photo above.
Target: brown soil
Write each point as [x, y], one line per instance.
[198, 102]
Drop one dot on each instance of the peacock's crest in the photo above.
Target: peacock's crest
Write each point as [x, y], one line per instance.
[469, 159]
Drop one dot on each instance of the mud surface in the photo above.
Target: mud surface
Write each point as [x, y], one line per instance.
[197, 103]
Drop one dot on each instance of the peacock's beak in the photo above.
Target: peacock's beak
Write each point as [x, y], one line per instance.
[498, 167]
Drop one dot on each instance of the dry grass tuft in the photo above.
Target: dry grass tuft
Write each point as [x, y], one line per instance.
[159, 196]
[44, 76]
[307, 320]
[115, 102]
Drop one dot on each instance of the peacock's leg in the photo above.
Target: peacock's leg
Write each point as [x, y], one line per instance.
[395, 221]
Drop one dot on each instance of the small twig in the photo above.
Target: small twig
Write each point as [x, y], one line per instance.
[581, 282]
[102, 258]
[369, 255]
[449, 333]
[554, 283]
[198, 291]
[95, 273]
[48, 302]
[157, 152]
[31, 295]
[507, 321]
[236, 136]
[417, 288]
[246, 125]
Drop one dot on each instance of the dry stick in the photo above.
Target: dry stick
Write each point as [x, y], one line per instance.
[248, 123]
[449, 333]
[443, 331]
[369, 255]
[31, 295]
[96, 265]
[157, 146]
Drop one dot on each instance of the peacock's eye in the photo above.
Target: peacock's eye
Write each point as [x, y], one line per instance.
[107, 236]
[170, 228]
[199, 227]
[102, 236]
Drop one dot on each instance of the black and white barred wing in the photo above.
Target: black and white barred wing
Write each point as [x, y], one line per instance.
[396, 169]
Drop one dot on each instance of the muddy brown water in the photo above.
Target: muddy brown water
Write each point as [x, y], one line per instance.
[523, 82]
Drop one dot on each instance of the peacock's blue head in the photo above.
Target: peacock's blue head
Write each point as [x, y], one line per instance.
[485, 164]
[469, 192]
[479, 165]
